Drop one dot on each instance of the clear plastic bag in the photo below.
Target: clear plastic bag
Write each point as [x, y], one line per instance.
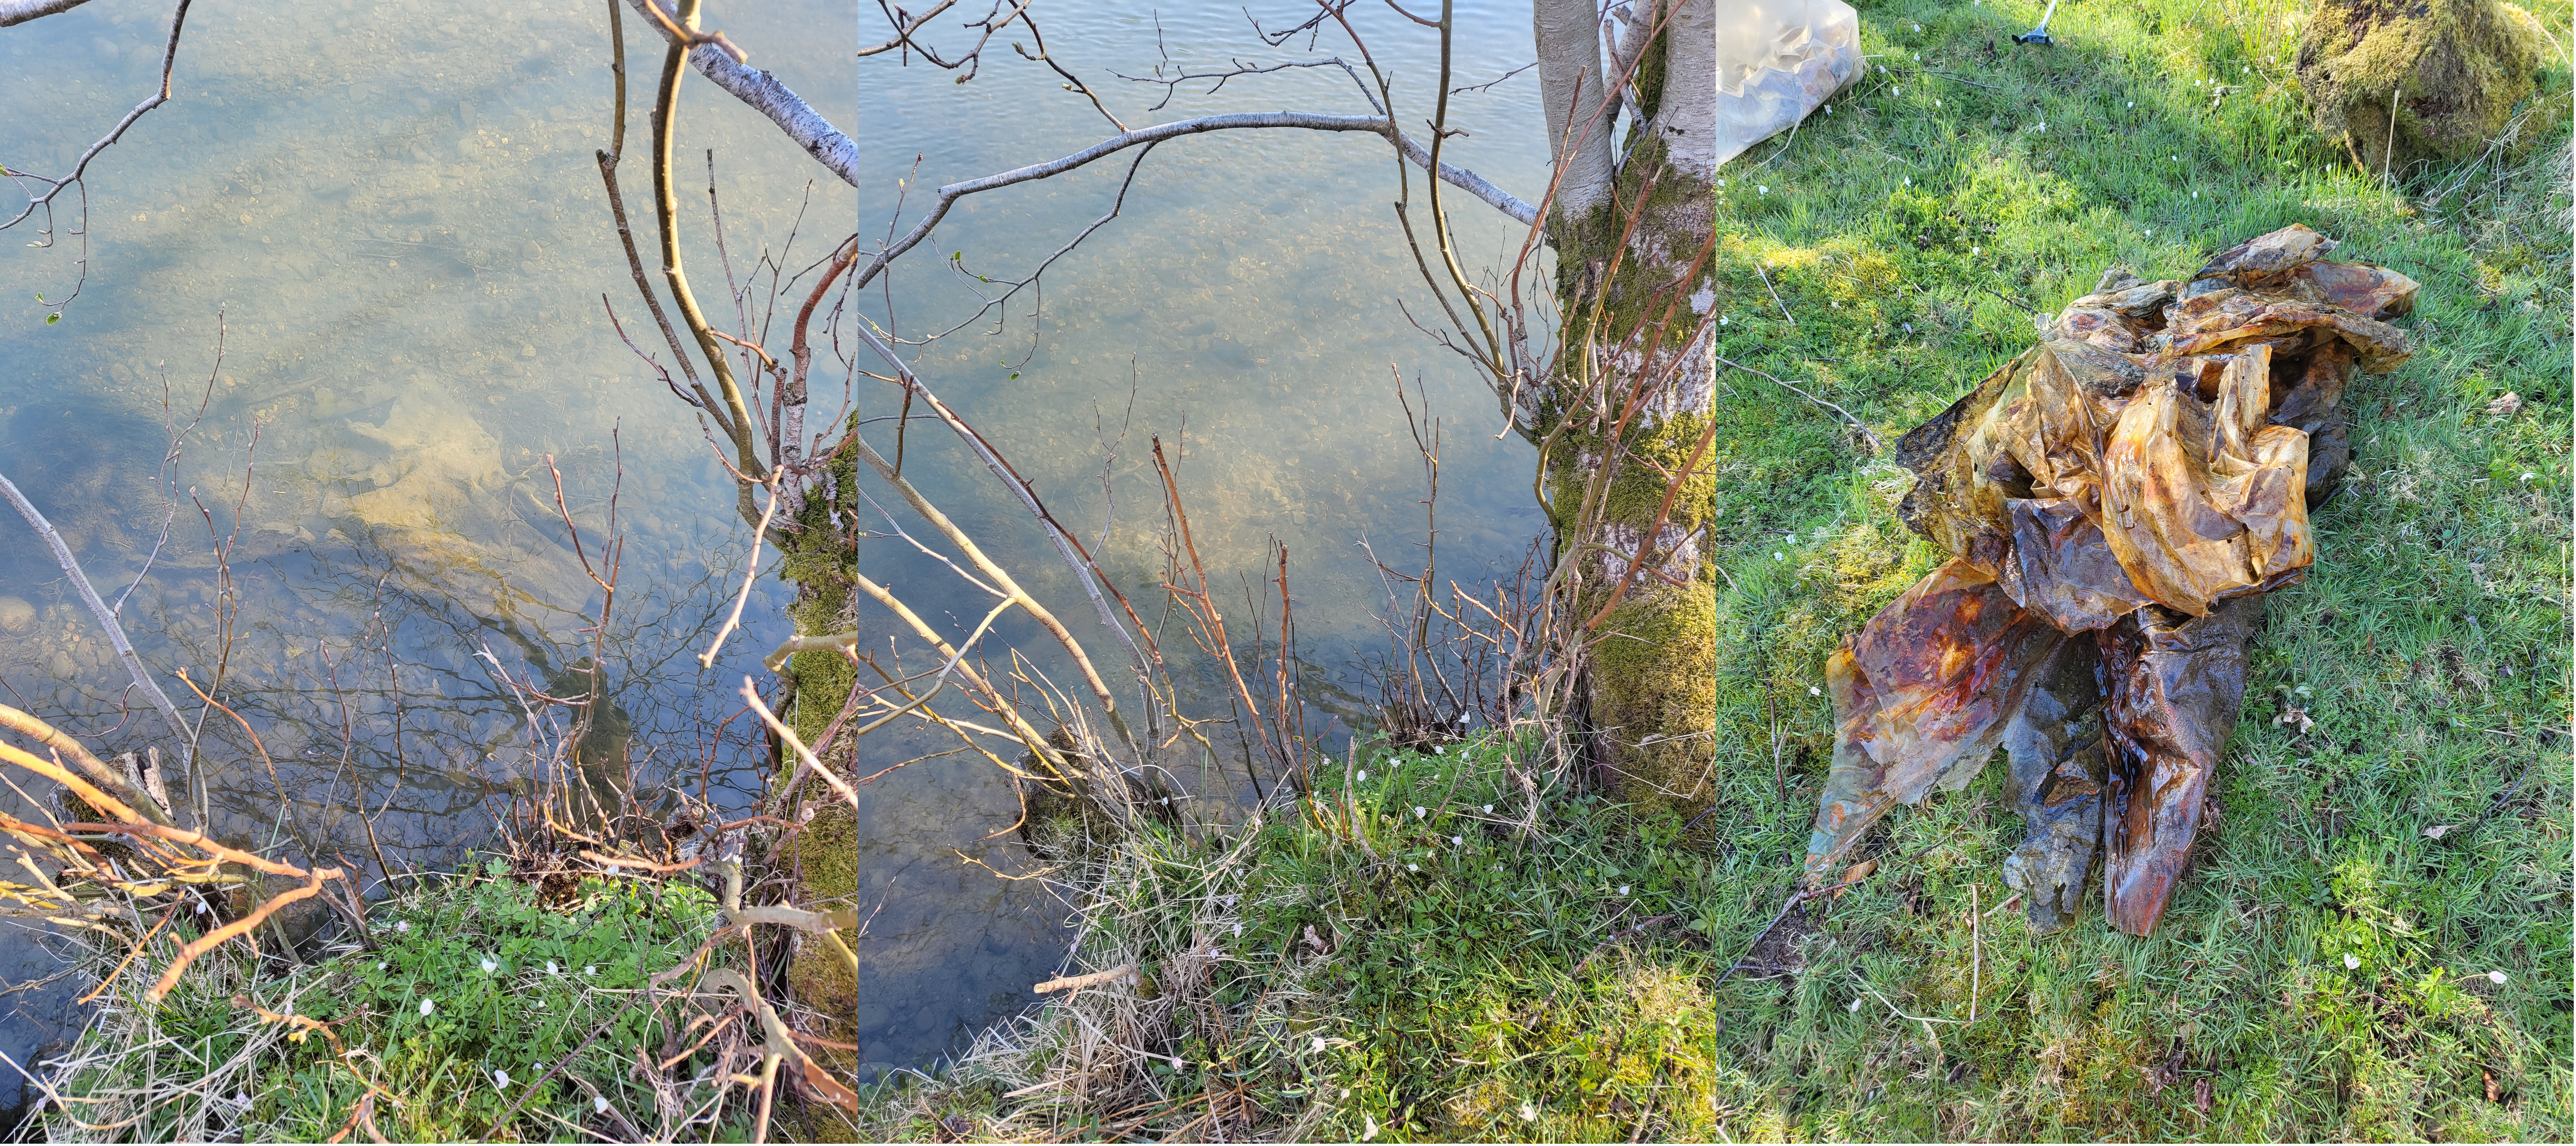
[1777, 61]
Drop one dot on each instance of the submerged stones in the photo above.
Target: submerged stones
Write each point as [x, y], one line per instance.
[2400, 82]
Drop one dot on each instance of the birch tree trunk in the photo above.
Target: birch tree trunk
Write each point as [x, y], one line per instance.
[1634, 271]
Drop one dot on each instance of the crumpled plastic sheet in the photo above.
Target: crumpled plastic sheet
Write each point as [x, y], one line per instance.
[2144, 474]
[1777, 62]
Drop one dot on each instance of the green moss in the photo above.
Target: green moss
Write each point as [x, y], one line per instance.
[1654, 690]
[2402, 83]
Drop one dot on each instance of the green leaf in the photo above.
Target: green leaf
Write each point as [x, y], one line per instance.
[57, 316]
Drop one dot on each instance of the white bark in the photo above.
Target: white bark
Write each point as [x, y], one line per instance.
[1686, 117]
[1577, 100]
[21, 11]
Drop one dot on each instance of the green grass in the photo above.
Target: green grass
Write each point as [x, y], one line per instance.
[199, 1065]
[2323, 973]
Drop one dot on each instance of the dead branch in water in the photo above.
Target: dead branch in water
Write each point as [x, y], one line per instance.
[106, 620]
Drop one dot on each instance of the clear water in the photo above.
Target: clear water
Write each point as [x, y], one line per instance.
[393, 213]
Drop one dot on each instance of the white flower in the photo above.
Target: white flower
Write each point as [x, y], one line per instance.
[2496, 977]
[1529, 1113]
[1882, 69]
[2195, 194]
[2351, 962]
[539, 1066]
[1760, 188]
[1908, 181]
[1814, 691]
[551, 969]
[402, 925]
[1829, 109]
[1372, 1127]
[426, 1006]
[1489, 809]
[501, 1078]
[2175, 158]
[489, 966]
[1936, 103]
[1412, 867]
[1457, 841]
[1438, 750]
[1238, 931]
[2146, 231]
[1419, 811]
[1976, 250]
[590, 970]
[599, 1104]
[1623, 889]
[1319, 1044]
[1900, 89]
[1855, 1005]
[2133, 103]
[2525, 477]
[1721, 321]
[2043, 127]
[1364, 777]
[380, 964]
[201, 907]
[1776, 555]
[1721, 183]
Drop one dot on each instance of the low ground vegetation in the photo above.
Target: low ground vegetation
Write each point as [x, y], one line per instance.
[2373, 942]
[490, 1011]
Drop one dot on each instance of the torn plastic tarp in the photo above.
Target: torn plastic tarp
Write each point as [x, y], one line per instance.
[2152, 460]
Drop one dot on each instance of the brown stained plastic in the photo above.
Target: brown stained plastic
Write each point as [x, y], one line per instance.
[2172, 688]
[1927, 685]
[2054, 746]
[2143, 474]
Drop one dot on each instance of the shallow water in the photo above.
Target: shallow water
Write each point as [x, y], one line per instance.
[392, 214]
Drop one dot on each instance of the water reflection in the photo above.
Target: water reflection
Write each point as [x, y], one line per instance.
[394, 211]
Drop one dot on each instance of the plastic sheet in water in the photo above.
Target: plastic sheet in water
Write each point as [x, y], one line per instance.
[2143, 474]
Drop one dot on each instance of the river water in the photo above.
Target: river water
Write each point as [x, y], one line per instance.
[388, 217]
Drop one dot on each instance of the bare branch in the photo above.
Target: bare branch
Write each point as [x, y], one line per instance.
[106, 619]
[169, 56]
[14, 12]
[1464, 180]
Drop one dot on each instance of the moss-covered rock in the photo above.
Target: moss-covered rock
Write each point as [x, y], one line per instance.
[2400, 82]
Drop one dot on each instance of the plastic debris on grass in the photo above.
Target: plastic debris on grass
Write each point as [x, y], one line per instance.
[1776, 63]
[2116, 502]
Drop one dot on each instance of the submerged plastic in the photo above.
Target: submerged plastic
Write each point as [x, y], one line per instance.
[2144, 474]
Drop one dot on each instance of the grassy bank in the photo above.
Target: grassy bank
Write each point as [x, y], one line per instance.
[2374, 941]
[486, 1015]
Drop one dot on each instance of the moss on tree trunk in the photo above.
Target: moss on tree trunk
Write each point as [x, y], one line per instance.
[1650, 689]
